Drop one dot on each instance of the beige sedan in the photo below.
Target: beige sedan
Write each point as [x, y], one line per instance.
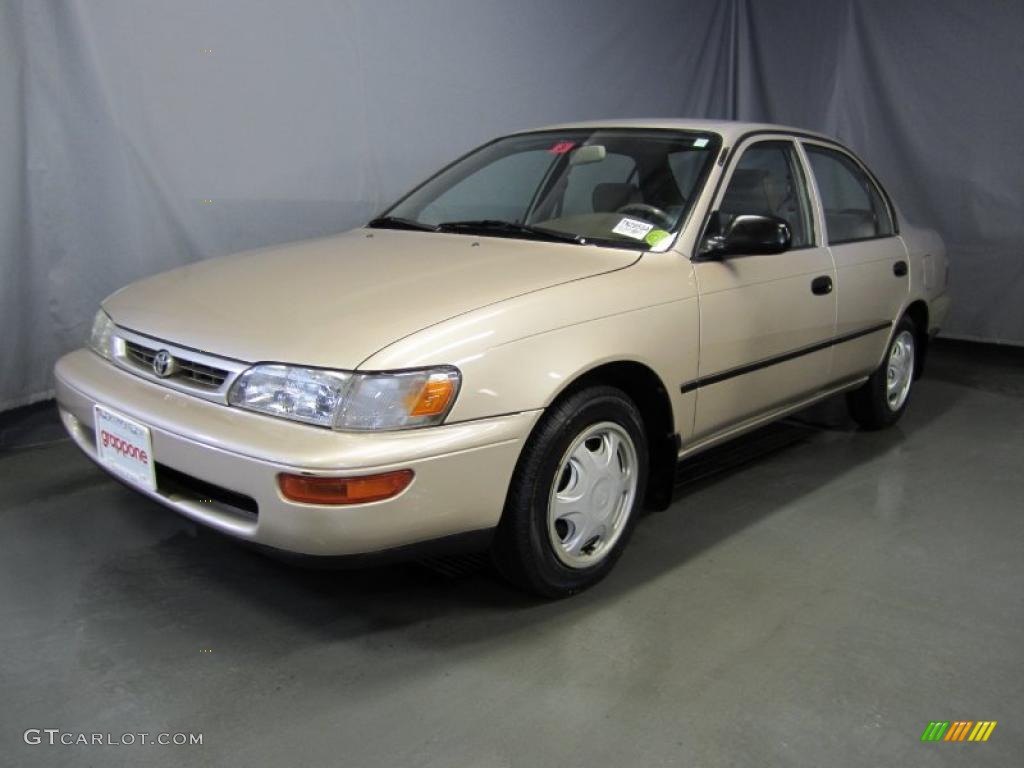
[518, 352]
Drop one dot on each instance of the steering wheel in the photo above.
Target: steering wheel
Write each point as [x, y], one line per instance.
[649, 212]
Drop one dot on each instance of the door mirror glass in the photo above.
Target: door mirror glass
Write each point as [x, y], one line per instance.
[750, 234]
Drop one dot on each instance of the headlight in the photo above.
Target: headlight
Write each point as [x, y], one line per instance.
[101, 335]
[399, 400]
[311, 395]
[348, 401]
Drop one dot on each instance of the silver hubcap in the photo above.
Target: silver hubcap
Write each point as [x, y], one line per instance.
[900, 371]
[592, 495]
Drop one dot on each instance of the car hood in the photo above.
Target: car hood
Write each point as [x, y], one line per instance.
[333, 302]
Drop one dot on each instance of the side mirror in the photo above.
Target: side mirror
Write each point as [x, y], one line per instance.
[749, 235]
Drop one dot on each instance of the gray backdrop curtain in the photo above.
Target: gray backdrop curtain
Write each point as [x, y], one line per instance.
[137, 136]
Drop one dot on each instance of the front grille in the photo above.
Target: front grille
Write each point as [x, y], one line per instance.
[191, 371]
[205, 375]
[140, 354]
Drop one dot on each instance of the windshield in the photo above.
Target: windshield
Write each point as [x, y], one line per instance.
[621, 187]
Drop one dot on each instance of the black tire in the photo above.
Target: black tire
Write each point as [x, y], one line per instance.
[523, 549]
[869, 405]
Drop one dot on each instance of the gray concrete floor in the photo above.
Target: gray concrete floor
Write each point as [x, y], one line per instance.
[817, 606]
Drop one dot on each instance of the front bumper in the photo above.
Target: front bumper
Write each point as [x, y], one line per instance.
[462, 471]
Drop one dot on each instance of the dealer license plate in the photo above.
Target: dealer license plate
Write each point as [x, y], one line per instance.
[124, 447]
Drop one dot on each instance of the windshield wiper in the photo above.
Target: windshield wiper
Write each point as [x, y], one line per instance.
[500, 227]
[397, 222]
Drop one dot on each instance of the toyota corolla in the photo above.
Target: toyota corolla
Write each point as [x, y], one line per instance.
[517, 353]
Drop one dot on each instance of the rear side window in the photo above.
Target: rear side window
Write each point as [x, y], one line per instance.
[854, 208]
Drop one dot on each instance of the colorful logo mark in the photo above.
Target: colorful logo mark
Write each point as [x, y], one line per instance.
[958, 730]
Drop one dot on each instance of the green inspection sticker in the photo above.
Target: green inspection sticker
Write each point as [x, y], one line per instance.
[655, 236]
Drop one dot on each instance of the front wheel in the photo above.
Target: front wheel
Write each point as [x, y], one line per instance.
[574, 495]
[883, 398]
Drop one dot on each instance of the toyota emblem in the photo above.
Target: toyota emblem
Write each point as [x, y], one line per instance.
[164, 364]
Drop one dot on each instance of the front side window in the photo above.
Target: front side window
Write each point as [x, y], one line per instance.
[618, 187]
[854, 208]
[767, 182]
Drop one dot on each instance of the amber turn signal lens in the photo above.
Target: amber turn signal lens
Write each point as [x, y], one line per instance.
[433, 398]
[344, 490]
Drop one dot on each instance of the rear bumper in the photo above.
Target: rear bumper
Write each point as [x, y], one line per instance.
[462, 471]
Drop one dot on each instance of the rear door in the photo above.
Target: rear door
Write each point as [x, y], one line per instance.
[871, 261]
[766, 321]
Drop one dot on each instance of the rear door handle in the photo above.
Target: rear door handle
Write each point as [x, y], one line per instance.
[821, 285]
[899, 268]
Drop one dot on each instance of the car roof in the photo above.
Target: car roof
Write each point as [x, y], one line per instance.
[730, 130]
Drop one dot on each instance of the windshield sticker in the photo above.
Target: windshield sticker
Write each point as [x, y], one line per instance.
[700, 142]
[655, 236]
[633, 228]
[561, 147]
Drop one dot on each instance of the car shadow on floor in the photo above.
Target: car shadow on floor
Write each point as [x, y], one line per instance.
[219, 589]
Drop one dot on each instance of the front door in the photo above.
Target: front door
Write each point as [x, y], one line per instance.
[766, 321]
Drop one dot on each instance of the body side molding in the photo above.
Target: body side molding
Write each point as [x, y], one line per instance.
[715, 378]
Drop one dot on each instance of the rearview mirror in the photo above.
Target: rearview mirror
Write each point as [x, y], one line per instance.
[749, 235]
[590, 153]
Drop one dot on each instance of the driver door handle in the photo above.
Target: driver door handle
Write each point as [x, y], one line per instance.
[820, 286]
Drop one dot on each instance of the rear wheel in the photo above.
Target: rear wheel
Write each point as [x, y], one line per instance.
[574, 495]
[883, 398]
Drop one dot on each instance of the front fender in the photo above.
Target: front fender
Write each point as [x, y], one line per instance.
[519, 355]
